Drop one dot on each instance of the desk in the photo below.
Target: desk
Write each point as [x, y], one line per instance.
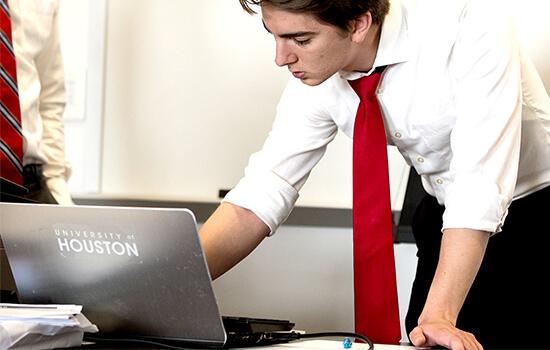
[329, 345]
[296, 345]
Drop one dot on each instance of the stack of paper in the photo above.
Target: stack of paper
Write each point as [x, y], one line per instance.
[25, 326]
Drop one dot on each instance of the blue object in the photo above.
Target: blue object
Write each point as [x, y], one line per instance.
[347, 343]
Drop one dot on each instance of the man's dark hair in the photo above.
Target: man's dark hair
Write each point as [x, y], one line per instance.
[338, 13]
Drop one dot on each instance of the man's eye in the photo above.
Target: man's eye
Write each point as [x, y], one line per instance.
[301, 42]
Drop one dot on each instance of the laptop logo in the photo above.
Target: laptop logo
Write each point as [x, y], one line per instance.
[71, 241]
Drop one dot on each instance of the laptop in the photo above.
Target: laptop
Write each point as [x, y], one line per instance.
[139, 273]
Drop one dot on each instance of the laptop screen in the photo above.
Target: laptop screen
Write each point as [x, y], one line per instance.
[136, 271]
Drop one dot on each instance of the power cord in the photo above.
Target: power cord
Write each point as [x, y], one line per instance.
[159, 345]
[283, 337]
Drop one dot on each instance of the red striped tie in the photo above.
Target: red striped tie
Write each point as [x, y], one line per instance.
[11, 135]
[376, 306]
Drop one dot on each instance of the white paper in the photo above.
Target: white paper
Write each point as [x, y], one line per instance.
[24, 326]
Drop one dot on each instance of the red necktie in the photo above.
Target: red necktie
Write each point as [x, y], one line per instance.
[11, 134]
[376, 306]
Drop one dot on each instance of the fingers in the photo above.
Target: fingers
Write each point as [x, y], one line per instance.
[449, 337]
[469, 341]
[464, 341]
[417, 337]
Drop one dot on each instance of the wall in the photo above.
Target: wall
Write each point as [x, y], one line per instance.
[176, 109]
[82, 31]
[531, 17]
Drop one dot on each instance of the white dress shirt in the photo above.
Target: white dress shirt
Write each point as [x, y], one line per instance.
[459, 98]
[41, 85]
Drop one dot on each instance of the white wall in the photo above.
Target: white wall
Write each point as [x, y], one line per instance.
[190, 93]
[82, 32]
[534, 31]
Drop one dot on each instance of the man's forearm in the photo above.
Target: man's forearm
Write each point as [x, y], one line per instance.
[461, 253]
[229, 235]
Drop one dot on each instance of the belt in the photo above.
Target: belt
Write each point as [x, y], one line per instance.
[32, 174]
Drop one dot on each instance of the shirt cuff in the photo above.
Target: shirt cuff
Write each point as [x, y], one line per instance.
[266, 195]
[59, 189]
[476, 204]
[57, 170]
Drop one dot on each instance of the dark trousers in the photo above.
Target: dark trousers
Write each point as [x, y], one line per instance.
[508, 305]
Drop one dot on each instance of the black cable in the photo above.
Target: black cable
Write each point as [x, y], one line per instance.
[289, 336]
[158, 344]
[339, 334]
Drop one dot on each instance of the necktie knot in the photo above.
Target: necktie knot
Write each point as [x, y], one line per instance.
[365, 87]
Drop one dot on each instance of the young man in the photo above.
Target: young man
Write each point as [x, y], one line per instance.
[464, 106]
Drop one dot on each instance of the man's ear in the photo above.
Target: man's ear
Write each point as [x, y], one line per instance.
[360, 27]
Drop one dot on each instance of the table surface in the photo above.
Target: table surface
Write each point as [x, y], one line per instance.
[329, 345]
[295, 345]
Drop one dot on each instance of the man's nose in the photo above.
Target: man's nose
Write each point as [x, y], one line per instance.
[284, 54]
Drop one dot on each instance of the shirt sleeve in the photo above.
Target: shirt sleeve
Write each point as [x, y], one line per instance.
[485, 141]
[298, 139]
[49, 66]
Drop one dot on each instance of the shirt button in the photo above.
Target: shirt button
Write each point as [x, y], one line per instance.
[397, 135]
[439, 181]
[420, 160]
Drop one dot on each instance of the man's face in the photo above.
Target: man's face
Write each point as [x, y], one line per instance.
[312, 51]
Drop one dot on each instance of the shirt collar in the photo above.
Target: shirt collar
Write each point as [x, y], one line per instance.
[395, 46]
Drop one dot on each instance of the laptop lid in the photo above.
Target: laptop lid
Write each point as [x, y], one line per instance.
[7, 284]
[137, 271]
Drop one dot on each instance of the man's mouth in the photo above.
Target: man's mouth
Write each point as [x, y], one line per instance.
[298, 74]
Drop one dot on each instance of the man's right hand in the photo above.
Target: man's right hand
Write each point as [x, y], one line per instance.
[443, 334]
